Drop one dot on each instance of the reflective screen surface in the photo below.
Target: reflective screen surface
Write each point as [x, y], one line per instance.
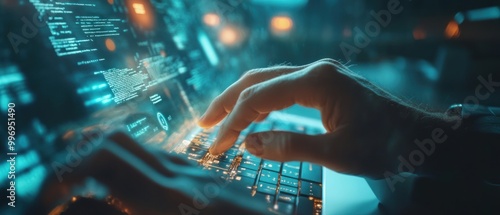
[77, 67]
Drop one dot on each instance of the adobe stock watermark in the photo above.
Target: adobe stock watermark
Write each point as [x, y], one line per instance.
[427, 147]
[362, 37]
[29, 30]
[92, 139]
[76, 153]
[202, 197]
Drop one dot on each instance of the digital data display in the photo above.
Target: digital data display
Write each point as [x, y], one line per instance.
[72, 66]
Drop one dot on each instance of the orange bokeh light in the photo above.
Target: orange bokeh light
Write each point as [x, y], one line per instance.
[281, 23]
[111, 1]
[229, 36]
[211, 19]
[110, 45]
[347, 32]
[141, 14]
[452, 30]
[139, 8]
[419, 34]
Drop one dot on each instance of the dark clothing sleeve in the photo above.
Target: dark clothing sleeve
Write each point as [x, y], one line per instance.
[464, 173]
[460, 173]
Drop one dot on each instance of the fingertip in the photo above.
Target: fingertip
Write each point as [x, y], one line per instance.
[224, 141]
[205, 121]
[213, 151]
[202, 123]
[215, 147]
[284, 146]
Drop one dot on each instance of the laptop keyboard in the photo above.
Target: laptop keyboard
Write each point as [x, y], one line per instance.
[288, 188]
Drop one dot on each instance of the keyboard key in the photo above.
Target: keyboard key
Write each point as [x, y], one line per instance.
[250, 157]
[216, 170]
[236, 146]
[195, 153]
[242, 171]
[195, 157]
[298, 128]
[196, 150]
[267, 198]
[224, 158]
[271, 165]
[284, 208]
[306, 206]
[269, 177]
[250, 164]
[199, 142]
[311, 172]
[291, 169]
[310, 189]
[289, 181]
[245, 182]
[266, 188]
[281, 126]
[224, 165]
[232, 152]
[293, 164]
[286, 198]
[287, 189]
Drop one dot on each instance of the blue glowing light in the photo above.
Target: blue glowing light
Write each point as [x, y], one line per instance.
[484, 14]
[208, 48]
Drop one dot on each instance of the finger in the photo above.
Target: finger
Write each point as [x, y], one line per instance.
[274, 94]
[262, 117]
[332, 150]
[340, 150]
[225, 102]
[287, 146]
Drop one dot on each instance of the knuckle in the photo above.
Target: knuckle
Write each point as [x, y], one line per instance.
[330, 60]
[246, 94]
[322, 73]
[325, 72]
[251, 73]
[325, 67]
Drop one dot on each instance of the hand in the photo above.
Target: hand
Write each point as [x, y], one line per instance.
[147, 182]
[367, 127]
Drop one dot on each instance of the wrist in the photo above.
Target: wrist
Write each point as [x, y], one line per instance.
[423, 138]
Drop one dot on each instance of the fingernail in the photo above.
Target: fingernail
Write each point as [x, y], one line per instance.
[254, 145]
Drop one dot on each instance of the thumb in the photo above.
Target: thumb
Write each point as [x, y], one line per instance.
[287, 146]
